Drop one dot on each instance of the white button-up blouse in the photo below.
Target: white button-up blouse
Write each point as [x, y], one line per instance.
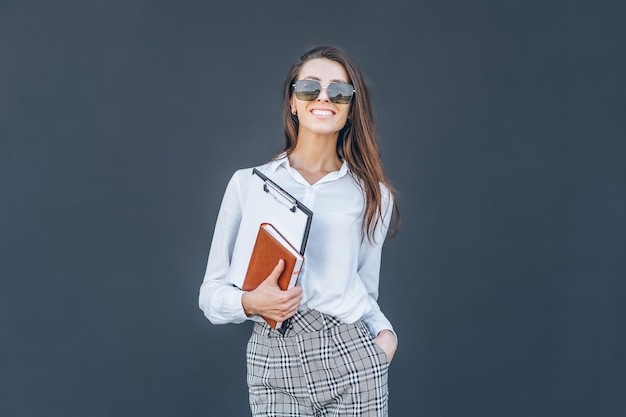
[341, 268]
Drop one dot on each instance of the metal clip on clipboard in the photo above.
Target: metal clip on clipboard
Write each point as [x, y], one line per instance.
[280, 195]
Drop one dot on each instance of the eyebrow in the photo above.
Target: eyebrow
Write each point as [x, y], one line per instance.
[313, 77]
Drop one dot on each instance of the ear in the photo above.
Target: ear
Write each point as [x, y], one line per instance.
[293, 107]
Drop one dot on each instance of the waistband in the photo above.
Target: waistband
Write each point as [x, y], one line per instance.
[302, 322]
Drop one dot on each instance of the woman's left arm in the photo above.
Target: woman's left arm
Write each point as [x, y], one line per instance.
[370, 255]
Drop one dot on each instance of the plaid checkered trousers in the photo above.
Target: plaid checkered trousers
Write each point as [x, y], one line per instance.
[319, 367]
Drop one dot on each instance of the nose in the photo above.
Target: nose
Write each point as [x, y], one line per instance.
[323, 95]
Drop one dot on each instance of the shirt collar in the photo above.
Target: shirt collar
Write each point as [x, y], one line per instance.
[283, 161]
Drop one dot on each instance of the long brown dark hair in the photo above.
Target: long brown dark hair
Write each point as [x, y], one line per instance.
[357, 143]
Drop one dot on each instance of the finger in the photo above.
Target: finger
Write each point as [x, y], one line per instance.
[272, 278]
[293, 305]
[293, 293]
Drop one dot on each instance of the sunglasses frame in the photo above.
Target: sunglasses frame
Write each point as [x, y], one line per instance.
[319, 91]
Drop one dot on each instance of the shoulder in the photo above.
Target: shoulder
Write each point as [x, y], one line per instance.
[385, 192]
[242, 177]
[241, 174]
[387, 195]
[386, 201]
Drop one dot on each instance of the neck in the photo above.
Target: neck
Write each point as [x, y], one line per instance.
[315, 156]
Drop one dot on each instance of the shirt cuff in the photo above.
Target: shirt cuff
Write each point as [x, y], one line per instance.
[376, 323]
[231, 308]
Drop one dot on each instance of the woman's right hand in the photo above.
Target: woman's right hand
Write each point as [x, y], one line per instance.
[269, 300]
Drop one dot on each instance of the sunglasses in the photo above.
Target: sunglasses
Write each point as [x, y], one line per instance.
[309, 90]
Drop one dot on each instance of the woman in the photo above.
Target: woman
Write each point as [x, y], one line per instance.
[333, 357]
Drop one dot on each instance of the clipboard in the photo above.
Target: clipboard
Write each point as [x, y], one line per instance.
[267, 202]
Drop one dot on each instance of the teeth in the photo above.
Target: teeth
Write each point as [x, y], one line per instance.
[322, 112]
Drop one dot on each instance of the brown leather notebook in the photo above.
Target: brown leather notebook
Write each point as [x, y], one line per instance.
[269, 247]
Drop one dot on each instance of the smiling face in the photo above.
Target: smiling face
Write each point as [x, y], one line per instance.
[321, 116]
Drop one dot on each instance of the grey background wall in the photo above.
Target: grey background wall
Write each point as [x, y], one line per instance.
[502, 126]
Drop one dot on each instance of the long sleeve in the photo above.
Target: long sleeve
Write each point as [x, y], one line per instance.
[370, 255]
[219, 300]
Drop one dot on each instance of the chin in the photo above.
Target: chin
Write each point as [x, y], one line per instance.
[324, 130]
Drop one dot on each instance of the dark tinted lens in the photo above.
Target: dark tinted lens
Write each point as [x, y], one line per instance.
[307, 90]
[340, 93]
